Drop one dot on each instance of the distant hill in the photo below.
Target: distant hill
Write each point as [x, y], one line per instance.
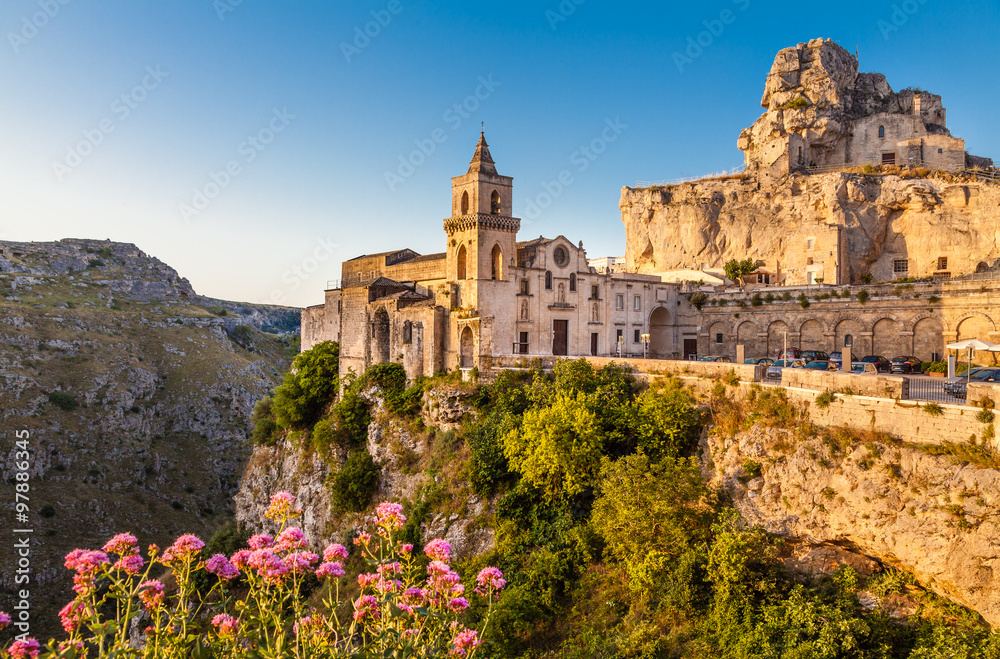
[136, 392]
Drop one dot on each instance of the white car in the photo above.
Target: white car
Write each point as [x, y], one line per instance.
[863, 368]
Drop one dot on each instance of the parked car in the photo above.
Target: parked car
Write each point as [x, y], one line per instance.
[956, 386]
[759, 361]
[863, 368]
[837, 358]
[790, 353]
[822, 365]
[814, 355]
[774, 370]
[881, 363]
[716, 358]
[905, 365]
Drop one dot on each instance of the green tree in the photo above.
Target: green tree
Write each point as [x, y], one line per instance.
[667, 423]
[736, 270]
[558, 448]
[308, 387]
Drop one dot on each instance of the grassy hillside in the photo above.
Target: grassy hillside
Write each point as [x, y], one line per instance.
[136, 393]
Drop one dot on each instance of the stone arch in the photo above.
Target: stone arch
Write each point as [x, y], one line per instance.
[886, 340]
[776, 332]
[462, 263]
[928, 338]
[467, 349]
[380, 337]
[661, 342]
[812, 335]
[465, 203]
[984, 322]
[495, 203]
[853, 328]
[496, 263]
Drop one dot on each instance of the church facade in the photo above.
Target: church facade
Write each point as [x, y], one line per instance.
[489, 295]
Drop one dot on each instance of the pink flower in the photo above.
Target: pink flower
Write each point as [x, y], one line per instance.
[388, 569]
[365, 606]
[363, 539]
[226, 624]
[282, 507]
[71, 616]
[23, 649]
[4, 620]
[406, 607]
[365, 579]
[330, 569]
[389, 586]
[183, 548]
[490, 579]
[122, 544]
[268, 565]
[390, 515]
[260, 541]
[86, 561]
[438, 550]
[334, 552]
[465, 640]
[289, 539]
[458, 604]
[406, 549]
[414, 596]
[309, 624]
[151, 594]
[301, 562]
[241, 559]
[130, 564]
[220, 566]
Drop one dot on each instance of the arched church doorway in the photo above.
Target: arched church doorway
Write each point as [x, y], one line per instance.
[661, 342]
[467, 347]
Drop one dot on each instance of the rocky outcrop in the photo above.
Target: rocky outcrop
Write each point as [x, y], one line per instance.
[930, 515]
[879, 219]
[401, 452]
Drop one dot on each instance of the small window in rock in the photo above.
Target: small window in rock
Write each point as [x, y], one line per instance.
[881, 131]
[942, 263]
[809, 261]
[940, 150]
[900, 266]
[810, 243]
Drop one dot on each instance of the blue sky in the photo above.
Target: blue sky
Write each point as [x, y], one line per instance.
[248, 144]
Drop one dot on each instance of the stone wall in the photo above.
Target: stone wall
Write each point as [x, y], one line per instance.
[918, 319]
[880, 386]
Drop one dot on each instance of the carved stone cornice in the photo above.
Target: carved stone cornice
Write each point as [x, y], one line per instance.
[481, 221]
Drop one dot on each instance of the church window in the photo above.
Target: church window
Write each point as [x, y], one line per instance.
[524, 287]
[560, 256]
[637, 336]
[595, 292]
[461, 262]
[465, 203]
[548, 280]
[407, 332]
[496, 259]
[572, 283]
[881, 132]
[636, 303]
[495, 203]
[718, 338]
[619, 302]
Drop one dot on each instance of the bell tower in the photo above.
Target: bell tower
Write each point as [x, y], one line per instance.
[482, 234]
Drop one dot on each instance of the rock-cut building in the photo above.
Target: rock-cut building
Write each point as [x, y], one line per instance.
[489, 294]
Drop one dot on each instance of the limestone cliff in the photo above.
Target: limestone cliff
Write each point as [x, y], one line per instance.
[414, 465]
[136, 393]
[864, 223]
[823, 120]
[931, 515]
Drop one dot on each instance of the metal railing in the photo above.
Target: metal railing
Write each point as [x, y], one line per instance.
[930, 389]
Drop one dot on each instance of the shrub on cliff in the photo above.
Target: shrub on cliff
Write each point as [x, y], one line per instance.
[352, 487]
[264, 427]
[308, 387]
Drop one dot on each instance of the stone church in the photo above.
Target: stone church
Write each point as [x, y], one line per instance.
[490, 295]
